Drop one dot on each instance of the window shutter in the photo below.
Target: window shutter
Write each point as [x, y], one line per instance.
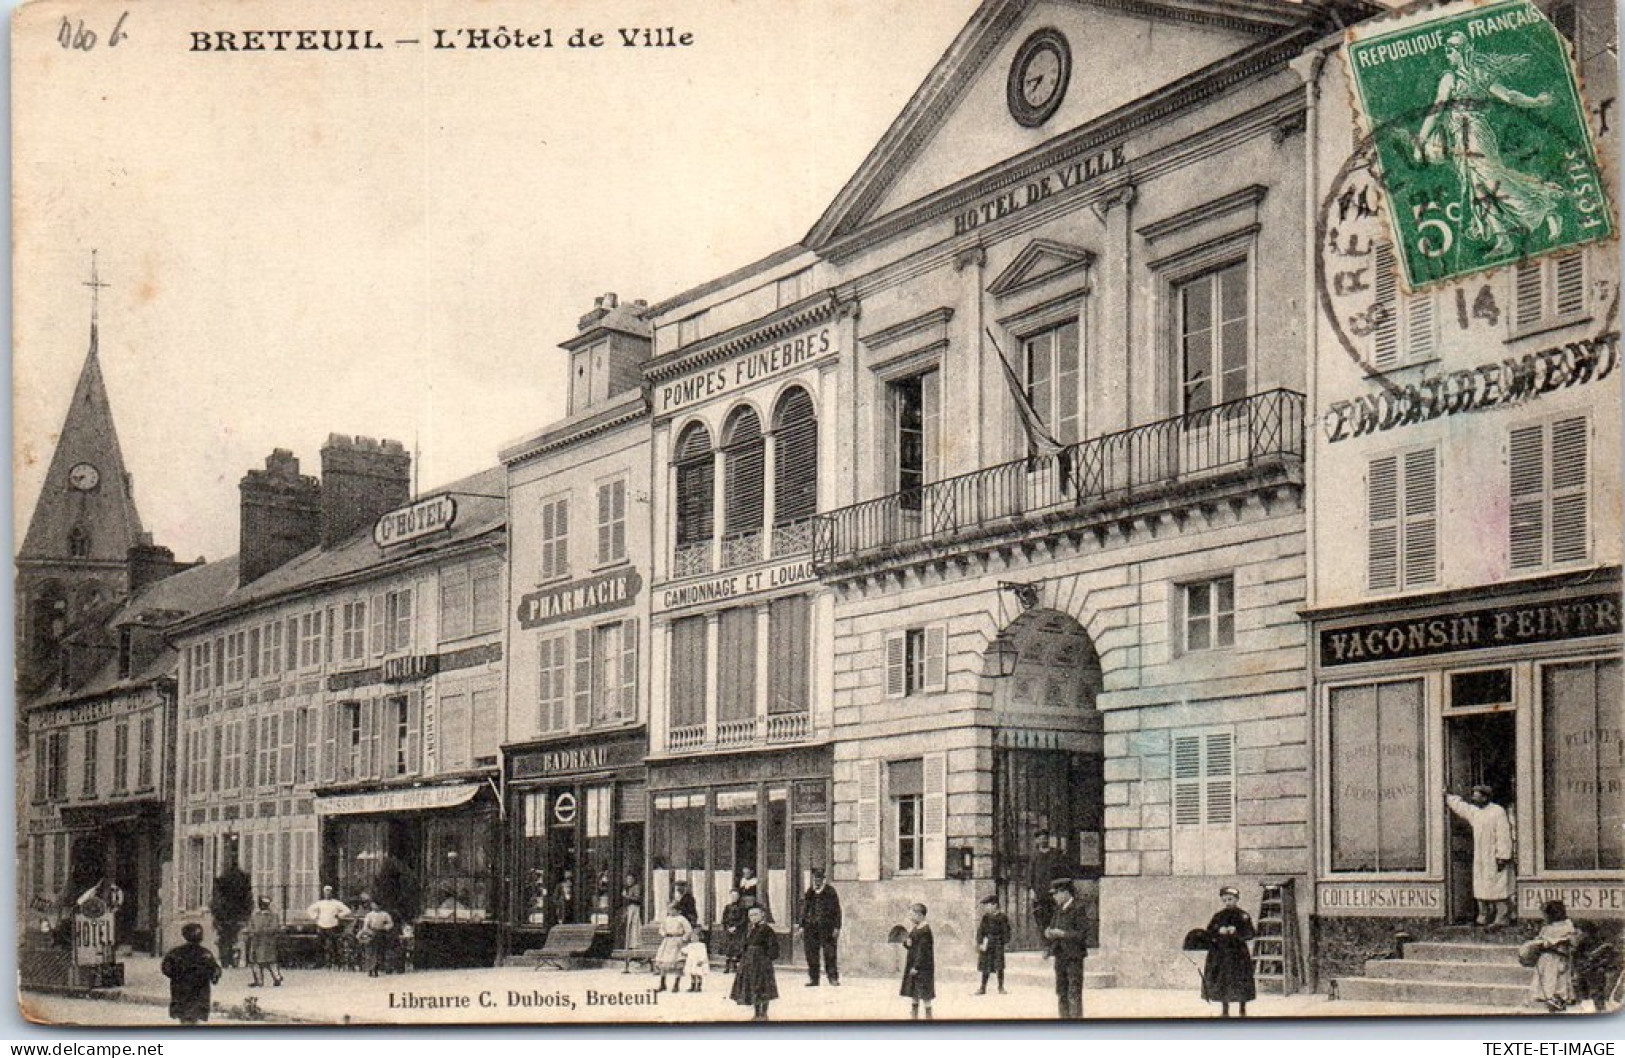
[930, 415]
[41, 764]
[561, 537]
[377, 624]
[617, 540]
[289, 733]
[935, 810]
[246, 763]
[896, 664]
[1187, 808]
[372, 734]
[1419, 342]
[1526, 293]
[583, 677]
[795, 462]
[1568, 284]
[1570, 504]
[403, 621]
[1219, 804]
[330, 740]
[629, 669]
[604, 521]
[414, 732]
[1385, 337]
[1382, 524]
[1421, 532]
[868, 851]
[936, 658]
[1526, 459]
[744, 467]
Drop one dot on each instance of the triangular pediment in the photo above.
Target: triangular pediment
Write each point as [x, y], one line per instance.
[965, 119]
[1042, 260]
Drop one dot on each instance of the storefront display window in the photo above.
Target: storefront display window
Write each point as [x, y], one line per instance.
[678, 852]
[1581, 763]
[1378, 782]
[457, 868]
[359, 848]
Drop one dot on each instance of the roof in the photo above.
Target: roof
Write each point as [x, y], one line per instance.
[626, 407]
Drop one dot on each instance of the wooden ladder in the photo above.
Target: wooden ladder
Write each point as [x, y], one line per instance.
[1277, 953]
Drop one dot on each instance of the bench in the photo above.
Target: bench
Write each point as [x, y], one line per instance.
[644, 952]
[565, 943]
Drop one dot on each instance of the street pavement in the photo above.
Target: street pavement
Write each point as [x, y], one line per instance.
[521, 995]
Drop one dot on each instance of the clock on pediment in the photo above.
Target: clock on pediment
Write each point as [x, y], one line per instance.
[1038, 77]
[84, 476]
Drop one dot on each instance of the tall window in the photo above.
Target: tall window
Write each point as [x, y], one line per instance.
[905, 782]
[234, 657]
[744, 460]
[1403, 331]
[914, 405]
[1050, 359]
[1209, 614]
[144, 765]
[696, 474]
[916, 661]
[688, 683]
[1379, 795]
[605, 674]
[253, 653]
[612, 521]
[1204, 802]
[789, 676]
[354, 644]
[552, 691]
[469, 601]
[1584, 817]
[121, 757]
[1549, 291]
[392, 621]
[555, 561]
[310, 639]
[91, 763]
[1550, 508]
[1402, 520]
[401, 725]
[1211, 324]
[795, 471]
[736, 664]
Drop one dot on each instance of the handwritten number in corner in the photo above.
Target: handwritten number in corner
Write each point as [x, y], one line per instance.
[74, 35]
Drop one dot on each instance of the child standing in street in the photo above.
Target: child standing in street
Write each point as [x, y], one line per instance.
[992, 936]
[920, 967]
[696, 963]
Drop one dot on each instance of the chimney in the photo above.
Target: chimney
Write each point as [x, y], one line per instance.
[614, 339]
[149, 563]
[281, 516]
[361, 480]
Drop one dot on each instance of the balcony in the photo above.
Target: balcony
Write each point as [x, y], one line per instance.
[751, 732]
[1097, 478]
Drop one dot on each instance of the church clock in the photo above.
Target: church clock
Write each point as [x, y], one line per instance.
[84, 476]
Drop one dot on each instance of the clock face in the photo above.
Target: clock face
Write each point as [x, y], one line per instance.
[1038, 77]
[84, 476]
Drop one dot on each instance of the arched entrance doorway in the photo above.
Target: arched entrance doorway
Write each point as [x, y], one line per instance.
[1048, 782]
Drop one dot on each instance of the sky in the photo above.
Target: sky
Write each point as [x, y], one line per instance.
[392, 243]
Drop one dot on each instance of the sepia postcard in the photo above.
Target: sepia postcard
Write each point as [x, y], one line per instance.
[535, 511]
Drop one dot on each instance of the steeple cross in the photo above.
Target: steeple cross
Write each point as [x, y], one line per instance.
[96, 286]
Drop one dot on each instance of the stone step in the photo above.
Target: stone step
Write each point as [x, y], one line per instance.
[1484, 973]
[1390, 990]
[1450, 951]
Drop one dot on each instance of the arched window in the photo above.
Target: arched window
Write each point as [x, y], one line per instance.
[79, 542]
[696, 484]
[795, 472]
[744, 488]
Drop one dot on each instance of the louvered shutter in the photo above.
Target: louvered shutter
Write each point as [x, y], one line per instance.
[744, 467]
[936, 658]
[414, 732]
[896, 664]
[403, 637]
[695, 483]
[1419, 337]
[1526, 458]
[1382, 524]
[374, 712]
[41, 766]
[1219, 803]
[629, 669]
[547, 541]
[583, 677]
[248, 758]
[1527, 293]
[931, 422]
[1187, 807]
[1570, 504]
[934, 805]
[605, 521]
[1568, 284]
[868, 850]
[289, 734]
[1385, 308]
[1421, 531]
[330, 740]
[378, 624]
[795, 459]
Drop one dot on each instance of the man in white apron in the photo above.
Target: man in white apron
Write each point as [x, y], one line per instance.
[1492, 853]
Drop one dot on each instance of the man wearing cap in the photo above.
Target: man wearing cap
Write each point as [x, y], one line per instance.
[1048, 866]
[330, 914]
[1492, 853]
[820, 929]
[1068, 937]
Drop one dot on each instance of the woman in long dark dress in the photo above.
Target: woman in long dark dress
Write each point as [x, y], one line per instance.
[754, 985]
[920, 965]
[1228, 975]
[731, 940]
[192, 971]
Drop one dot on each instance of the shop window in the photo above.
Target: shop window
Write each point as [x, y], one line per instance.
[677, 850]
[555, 557]
[688, 681]
[1208, 614]
[1402, 521]
[144, 759]
[1550, 505]
[358, 847]
[1211, 326]
[916, 661]
[696, 485]
[1050, 362]
[1583, 812]
[1403, 328]
[789, 676]
[533, 855]
[795, 472]
[1480, 688]
[1378, 797]
[87, 787]
[552, 690]
[457, 868]
[612, 521]
[1204, 802]
[914, 406]
[1548, 291]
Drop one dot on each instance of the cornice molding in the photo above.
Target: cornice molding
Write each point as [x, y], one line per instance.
[820, 306]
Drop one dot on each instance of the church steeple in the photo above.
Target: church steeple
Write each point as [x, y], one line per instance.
[74, 558]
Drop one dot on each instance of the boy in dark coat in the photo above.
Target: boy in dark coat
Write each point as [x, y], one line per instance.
[920, 966]
[1228, 975]
[192, 971]
[992, 937]
[754, 985]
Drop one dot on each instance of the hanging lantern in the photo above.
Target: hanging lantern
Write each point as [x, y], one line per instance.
[1005, 655]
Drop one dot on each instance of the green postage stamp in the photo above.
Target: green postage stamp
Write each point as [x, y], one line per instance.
[1481, 139]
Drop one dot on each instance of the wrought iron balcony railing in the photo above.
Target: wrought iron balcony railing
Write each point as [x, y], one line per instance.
[1266, 429]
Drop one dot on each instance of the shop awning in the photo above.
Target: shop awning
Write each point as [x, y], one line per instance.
[420, 799]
